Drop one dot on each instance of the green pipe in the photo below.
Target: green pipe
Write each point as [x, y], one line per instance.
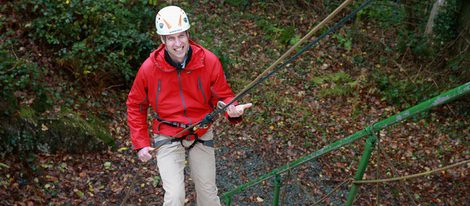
[370, 142]
[428, 104]
[423, 106]
[277, 189]
[228, 200]
[297, 162]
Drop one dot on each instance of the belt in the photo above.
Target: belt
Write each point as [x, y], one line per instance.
[185, 142]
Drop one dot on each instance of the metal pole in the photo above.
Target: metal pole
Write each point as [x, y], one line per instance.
[228, 200]
[277, 189]
[443, 98]
[370, 142]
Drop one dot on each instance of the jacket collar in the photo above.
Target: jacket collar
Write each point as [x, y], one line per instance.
[196, 61]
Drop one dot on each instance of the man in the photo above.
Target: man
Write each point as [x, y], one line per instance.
[182, 81]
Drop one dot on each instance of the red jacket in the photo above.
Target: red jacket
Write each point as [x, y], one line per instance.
[185, 97]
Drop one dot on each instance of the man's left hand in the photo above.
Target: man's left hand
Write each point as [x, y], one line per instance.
[237, 111]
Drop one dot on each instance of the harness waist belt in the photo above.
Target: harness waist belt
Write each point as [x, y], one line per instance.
[173, 124]
[209, 143]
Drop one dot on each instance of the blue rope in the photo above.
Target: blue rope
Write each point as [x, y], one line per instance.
[304, 49]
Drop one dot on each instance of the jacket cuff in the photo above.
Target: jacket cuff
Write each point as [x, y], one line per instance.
[138, 148]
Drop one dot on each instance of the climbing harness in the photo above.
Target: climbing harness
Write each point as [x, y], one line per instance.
[188, 141]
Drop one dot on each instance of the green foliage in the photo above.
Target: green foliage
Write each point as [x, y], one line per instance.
[23, 129]
[359, 60]
[153, 2]
[417, 42]
[273, 32]
[336, 84]
[407, 20]
[287, 36]
[268, 27]
[446, 23]
[330, 5]
[223, 57]
[402, 92]
[238, 3]
[389, 14]
[18, 79]
[385, 13]
[344, 40]
[107, 39]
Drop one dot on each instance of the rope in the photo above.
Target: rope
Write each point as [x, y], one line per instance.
[395, 172]
[273, 68]
[270, 71]
[331, 192]
[411, 176]
[288, 178]
[127, 188]
[307, 36]
[389, 179]
[377, 171]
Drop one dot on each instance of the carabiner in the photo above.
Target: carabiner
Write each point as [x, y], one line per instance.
[221, 104]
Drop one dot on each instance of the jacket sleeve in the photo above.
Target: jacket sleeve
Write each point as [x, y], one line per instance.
[221, 90]
[137, 107]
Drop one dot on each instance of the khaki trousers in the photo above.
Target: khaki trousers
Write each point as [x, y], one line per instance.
[171, 163]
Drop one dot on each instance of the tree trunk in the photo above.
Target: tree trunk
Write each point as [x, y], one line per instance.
[410, 15]
[436, 7]
[463, 43]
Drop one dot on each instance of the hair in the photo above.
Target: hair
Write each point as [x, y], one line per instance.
[163, 37]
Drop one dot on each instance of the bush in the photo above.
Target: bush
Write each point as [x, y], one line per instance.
[105, 39]
[21, 81]
[335, 84]
[446, 23]
[25, 95]
[403, 93]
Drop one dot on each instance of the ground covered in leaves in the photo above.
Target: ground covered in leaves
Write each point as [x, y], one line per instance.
[340, 87]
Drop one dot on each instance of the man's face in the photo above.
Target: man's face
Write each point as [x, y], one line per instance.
[177, 45]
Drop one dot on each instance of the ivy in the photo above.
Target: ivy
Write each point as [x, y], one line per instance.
[106, 39]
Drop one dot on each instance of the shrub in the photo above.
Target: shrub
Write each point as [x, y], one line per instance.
[402, 92]
[446, 23]
[105, 39]
[21, 81]
[335, 84]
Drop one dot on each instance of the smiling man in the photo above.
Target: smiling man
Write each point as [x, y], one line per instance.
[182, 82]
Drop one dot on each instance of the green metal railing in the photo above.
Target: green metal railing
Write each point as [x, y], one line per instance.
[370, 142]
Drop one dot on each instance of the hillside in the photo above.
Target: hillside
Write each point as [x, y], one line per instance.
[67, 68]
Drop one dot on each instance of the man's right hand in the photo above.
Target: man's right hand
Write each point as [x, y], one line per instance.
[144, 154]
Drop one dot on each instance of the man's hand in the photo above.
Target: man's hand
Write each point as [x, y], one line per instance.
[144, 154]
[237, 111]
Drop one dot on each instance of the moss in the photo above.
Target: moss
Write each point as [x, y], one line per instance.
[27, 114]
[42, 102]
[68, 132]
[335, 84]
[78, 134]
[92, 126]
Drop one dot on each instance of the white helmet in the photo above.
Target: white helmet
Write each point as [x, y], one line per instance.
[170, 20]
